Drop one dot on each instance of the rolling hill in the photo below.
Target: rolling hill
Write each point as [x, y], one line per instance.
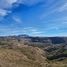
[27, 51]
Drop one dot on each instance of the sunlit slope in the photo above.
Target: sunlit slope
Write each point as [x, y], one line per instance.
[27, 56]
[22, 57]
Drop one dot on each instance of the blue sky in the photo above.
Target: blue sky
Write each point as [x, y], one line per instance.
[33, 17]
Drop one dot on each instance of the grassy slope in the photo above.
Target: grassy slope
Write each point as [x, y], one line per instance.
[27, 56]
[21, 57]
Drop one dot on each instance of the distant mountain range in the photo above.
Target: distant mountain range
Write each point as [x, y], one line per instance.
[53, 40]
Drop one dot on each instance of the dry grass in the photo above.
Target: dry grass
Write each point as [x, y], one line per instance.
[27, 56]
[18, 58]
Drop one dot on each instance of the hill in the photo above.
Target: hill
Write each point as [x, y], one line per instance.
[27, 51]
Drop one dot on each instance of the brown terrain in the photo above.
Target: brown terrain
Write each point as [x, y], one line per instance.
[26, 51]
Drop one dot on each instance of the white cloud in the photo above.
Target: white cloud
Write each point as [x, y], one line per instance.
[4, 12]
[53, 28]
[32, 31]
[7, 4]
[4, 6]
[57, 7]
[48, 13]
[64, 22]
[17, 19]
[63, 7]
[11, 1]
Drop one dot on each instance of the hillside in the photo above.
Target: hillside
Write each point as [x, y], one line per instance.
[26, 51]
[24, 57]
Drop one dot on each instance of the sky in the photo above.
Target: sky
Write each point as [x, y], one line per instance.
[33, 17]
